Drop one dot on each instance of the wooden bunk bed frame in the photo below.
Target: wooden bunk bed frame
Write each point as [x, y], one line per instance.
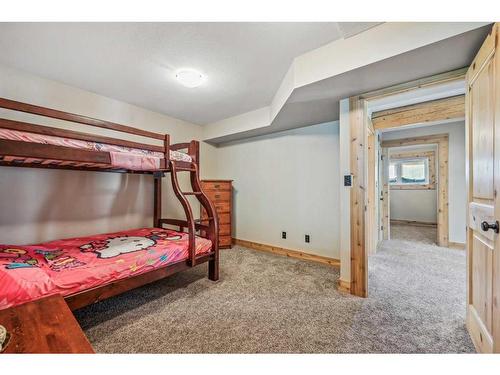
[15, 153]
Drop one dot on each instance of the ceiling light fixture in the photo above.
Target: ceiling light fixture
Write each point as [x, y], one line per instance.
[189, 78]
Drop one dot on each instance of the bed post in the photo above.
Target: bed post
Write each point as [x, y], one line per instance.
[194, 152]
[157, 200]
[213, 265]
[157, 184]
[166, 147]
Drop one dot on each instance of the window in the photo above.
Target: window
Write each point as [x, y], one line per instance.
[412, 170]
[409, 171]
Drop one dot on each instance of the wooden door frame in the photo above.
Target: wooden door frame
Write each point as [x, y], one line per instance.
[442, 142]
[358, 115]
[372, 228]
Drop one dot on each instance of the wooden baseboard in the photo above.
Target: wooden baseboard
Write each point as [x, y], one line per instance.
[287, 252]
[456, 245]
[344, 286]
[413, 222]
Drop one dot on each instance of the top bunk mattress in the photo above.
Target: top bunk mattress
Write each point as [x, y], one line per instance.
[121, 157]
[69, 266]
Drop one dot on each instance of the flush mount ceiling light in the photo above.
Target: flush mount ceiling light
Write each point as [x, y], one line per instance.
[189, 78]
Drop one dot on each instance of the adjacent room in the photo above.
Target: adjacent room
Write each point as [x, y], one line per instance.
[263, 187]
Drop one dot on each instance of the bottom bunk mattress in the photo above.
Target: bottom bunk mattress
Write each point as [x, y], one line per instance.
[68, 266]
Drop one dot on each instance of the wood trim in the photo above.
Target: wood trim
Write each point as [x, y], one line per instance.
[413, 154]
[372, 198]
[359, 150]
[344, 286]
[483, 56]
[431, 157]
[442, 142]
[414, 187]
[386, 213]
[412, 141]
[66, 116]
[456, 245]
[452, 76]
[287, 252]
[426, 112]
[413, 222]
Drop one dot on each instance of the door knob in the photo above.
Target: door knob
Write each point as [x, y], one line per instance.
[495, 226]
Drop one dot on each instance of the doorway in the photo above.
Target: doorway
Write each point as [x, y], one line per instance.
[482, 153]
[415, 185]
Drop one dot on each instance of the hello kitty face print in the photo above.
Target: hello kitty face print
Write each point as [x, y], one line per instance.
[113, 247]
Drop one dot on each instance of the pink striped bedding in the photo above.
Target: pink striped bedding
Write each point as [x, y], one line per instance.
[72, 265]
[121, 157]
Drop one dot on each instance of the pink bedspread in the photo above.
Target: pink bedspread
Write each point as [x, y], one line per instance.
[72, 265]
[121, 157]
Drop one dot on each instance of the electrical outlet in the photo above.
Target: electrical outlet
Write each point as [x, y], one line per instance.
[283, 235]
[308, 238]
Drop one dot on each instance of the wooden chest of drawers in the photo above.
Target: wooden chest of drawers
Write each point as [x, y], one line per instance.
[220, 193]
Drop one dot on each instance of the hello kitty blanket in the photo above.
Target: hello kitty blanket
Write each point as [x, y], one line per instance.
[72, 265]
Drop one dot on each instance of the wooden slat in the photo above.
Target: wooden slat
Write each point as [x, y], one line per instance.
[56, 132]
[36, 150]
[426, 112]
[60, 115]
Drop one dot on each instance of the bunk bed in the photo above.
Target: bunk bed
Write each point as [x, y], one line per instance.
[89, 269]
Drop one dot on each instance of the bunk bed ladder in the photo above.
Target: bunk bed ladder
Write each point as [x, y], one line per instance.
[211, 226]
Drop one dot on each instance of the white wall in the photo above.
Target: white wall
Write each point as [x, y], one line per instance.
[414, 205]
[344, 192]
[287, 181]
[38, 205]
[457, 190]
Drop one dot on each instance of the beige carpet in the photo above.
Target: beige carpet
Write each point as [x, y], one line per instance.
[266, 303]
[413, 233]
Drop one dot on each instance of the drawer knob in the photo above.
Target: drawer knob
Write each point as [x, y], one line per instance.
[486, 226]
